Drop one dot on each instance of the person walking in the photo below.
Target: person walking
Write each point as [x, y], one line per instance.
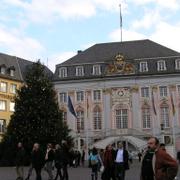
[157, 164]
[49, 157]
[58, 161]
[95, 160]
[83, 157]
[19, 161]
[108, 162]
[37, 160]
[121, 162]
[65, 160]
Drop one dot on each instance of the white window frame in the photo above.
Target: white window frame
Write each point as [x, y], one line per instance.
[80, 120]
[80, 96]
[165, 116]
[12, 71]
[3, 70]
[3, 86]
[145, 92]
[63, 97]
[143, 66]
[161, 65]
[3, 105]
[97, 119]
[11, 106]
[79, 71]
[13, 88]
[177, 64]
[97, 95]
[63, 72]
[2, 125]
[146, 118]
[163, 91]
[96, 70]
[121, 117]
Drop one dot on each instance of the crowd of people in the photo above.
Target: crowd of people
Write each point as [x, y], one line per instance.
[156, 163]
[59, 157]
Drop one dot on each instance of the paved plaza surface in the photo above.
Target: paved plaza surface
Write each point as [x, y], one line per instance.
[79, 173]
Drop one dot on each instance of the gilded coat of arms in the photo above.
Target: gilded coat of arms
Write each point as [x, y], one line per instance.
[120, 66]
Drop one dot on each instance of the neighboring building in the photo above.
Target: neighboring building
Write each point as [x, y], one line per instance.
[121, 90]
[12, 75]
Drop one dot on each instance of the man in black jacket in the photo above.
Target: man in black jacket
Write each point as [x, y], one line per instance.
[20, 158]
[121, 162]
[37, 160]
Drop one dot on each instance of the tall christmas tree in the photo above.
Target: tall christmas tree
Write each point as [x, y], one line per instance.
[37, 117]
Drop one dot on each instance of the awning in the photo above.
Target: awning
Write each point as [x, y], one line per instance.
[137, 142]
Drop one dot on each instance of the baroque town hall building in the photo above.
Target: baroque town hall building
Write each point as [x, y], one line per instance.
[122, 91]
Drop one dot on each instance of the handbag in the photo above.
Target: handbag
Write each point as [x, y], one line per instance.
[101, 168]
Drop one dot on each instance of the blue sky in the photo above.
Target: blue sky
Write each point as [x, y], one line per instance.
[54, 30]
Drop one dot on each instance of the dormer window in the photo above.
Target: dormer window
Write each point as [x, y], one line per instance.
[11, 71]
[96, 70]
[161, 65]
[79, 71]
[177, 64]
[62, 72]
[143, 67]
[3, 69]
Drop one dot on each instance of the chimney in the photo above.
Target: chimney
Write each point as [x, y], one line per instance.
[79, 51]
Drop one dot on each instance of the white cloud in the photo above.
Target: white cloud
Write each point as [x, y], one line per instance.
[59, 58]
[167, 35]
[150, 18]
[170, 4]
[19, 45]
[127, 35]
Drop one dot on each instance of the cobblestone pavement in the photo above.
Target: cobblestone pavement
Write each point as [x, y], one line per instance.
[79, 173]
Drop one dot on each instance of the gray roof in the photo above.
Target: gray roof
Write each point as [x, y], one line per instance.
[133, 52]
[130, 49]
[20, 66]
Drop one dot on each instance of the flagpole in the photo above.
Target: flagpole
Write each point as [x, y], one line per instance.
[173, 125]
[120, 23]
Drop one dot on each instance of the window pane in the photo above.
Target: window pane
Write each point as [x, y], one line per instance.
[145, 92]
[3, 87]
[97, 95]
[163, 91]
[63, 97]
[2, 105]
[12, 104]
[80, 96]
[97, 119]
[121, 118]
[146, 118]
[165, 116]
[2, 125]
[13, 88]
[80, 120]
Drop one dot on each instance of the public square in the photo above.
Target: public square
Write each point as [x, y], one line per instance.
[79, 173]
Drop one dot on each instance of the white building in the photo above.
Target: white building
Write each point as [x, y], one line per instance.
[122, 90]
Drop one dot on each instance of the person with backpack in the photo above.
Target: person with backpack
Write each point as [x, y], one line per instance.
[95, 160]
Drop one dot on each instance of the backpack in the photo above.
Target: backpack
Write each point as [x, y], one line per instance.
[94, 159]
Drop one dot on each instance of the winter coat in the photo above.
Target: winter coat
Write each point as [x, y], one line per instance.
[164, 166]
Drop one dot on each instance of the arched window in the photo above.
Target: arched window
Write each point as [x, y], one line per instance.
[164, 109]
[146, 118]
[80, 120]
[121, 118]
[97, 118]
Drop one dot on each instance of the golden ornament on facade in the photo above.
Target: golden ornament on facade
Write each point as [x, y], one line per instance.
[134, 88]
[120, 66]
